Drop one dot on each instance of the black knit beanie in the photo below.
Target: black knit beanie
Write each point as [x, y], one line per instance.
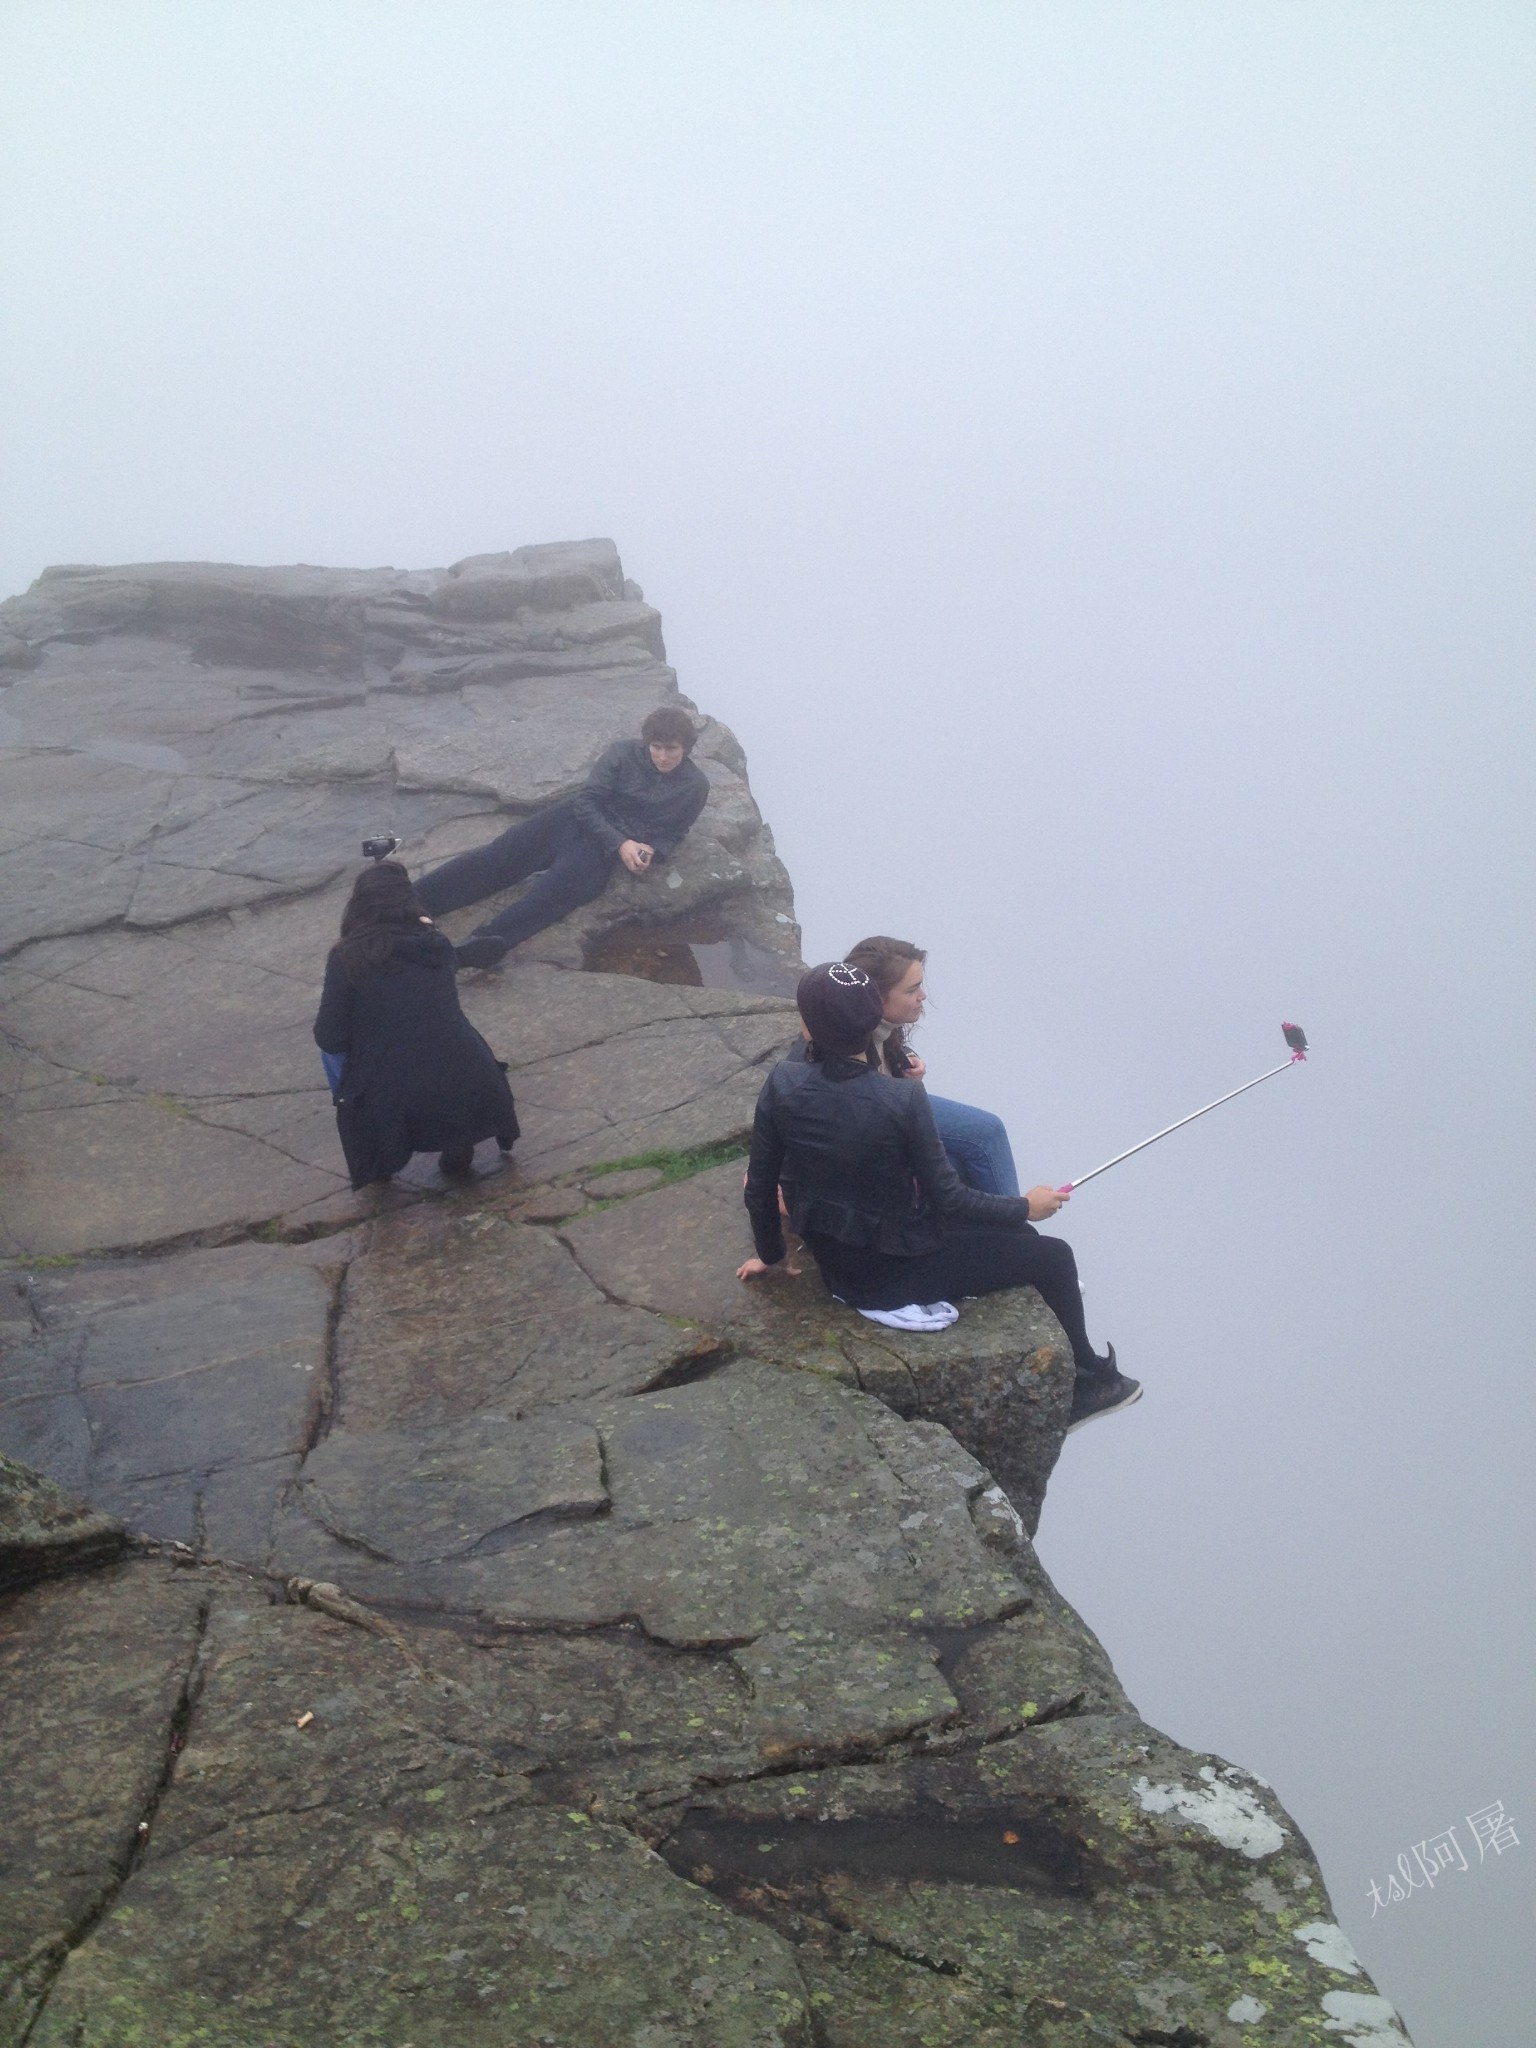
[840, 1006]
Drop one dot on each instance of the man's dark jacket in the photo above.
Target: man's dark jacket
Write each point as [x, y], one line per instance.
[418, 1075]
[628, 797]
[859, 1159]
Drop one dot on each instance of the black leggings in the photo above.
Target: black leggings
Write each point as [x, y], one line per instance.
[574, 870]
[973, 1259]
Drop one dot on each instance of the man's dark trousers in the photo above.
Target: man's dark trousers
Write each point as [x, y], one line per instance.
[575, 869]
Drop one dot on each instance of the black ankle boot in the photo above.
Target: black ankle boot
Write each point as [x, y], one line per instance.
[1100, 1390]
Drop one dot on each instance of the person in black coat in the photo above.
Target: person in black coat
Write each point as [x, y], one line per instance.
[416, 1074]
[638, 805]
[868, 1186]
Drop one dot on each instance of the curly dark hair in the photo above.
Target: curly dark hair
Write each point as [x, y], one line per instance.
[669, 727]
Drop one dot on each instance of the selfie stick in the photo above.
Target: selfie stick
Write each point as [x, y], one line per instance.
[1295, 1038]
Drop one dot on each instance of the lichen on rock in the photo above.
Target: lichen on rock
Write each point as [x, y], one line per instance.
[44, 1529]
[491, 1622]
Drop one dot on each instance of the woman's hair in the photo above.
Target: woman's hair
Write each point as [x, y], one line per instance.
[669, 727]
[885, 961]
[382, 910]
[839, 1006]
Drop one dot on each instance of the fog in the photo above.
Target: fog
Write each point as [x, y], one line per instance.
[1085, 451]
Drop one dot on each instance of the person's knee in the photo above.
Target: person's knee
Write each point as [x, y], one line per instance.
[1056, 1262]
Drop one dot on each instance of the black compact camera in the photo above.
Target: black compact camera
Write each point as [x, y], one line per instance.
[379, 849]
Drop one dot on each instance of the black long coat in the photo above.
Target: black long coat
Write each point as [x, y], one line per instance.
[418, 1075]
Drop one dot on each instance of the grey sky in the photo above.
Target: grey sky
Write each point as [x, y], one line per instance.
[1086, 451]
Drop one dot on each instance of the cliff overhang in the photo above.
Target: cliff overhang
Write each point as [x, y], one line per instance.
[491, 1622]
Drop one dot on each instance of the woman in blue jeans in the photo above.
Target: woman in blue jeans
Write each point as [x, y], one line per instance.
[975, 1139]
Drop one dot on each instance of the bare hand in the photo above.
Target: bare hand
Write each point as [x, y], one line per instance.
[755, 1269]
[1045, 1202]
[915, 1068]
[636, 855]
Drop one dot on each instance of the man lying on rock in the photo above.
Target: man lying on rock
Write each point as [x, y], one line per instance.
[896, 1233]
[638, 804]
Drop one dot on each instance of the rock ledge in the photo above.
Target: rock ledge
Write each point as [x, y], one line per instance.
[528, 1635]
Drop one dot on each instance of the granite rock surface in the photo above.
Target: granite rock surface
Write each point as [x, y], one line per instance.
[190, 756]
[468, 1615]
[44, 1529]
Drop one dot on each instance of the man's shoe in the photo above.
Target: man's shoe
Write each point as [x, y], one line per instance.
[1101, 1393]
[456, 1162]
[480, 949]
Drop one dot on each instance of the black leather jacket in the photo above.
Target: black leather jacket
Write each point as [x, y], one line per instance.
[859, 1160]
[628, 797]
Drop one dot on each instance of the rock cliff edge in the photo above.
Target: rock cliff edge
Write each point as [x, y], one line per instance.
[467, 1618]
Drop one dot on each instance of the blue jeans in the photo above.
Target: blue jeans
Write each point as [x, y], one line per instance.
[977, 1144]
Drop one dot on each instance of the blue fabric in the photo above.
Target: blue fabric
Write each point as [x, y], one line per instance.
[977, 1144]
[334, 1064]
